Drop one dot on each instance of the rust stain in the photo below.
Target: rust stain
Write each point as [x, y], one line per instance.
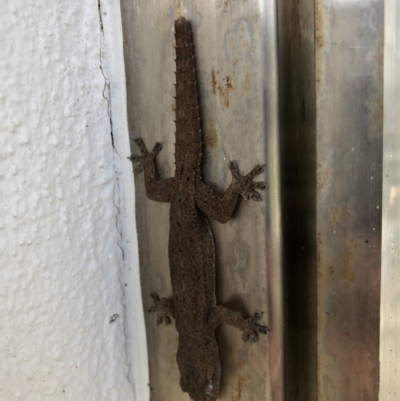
[212, 137]
[224, 88]
[339, 215]
[227, 4]
[320, 274]
[241, 382]
[213, 82]
[332, 272]
[347, 212]
[320, 23]
[334, 214]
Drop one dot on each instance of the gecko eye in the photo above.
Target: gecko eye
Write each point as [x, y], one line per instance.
[209, 389]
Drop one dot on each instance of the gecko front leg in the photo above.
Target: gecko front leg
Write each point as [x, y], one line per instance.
[248, 327]
[157, 190]
[221, 209]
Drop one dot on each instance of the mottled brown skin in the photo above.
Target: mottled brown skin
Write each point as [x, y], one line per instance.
[191, 244]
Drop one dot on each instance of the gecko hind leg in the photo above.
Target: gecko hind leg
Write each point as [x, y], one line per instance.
[249, 327]
[164, 307]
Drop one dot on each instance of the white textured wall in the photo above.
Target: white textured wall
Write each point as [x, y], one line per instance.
[68, 258]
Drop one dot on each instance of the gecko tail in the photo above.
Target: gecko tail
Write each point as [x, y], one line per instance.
[186, 96]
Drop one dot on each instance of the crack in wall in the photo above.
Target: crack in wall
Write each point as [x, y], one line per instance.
[116, 199]
[106, 87]
[100, 17]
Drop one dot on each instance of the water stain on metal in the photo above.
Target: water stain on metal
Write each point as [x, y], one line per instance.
[229, 5]
[374, 102]
[239, 255]
[324, 177]
[319, 253]
[329, 390]
[321, 44]
[238, 51]
[351, 275]
[178, 9]
[212, 137]
[238, 43]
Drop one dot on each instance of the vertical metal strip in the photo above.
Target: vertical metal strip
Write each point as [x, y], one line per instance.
[236, 52]
[349, 60]
[390, 286]
[268, 46]
[298, 152]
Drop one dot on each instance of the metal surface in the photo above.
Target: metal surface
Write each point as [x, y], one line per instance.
[349, 66]
[236, 46]
[298, 152]
[327, 107]
[390, 300]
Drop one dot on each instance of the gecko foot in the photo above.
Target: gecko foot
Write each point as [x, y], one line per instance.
[145, 157]
[164, 308]
[249, 327]
[247, 187]
[251, 334]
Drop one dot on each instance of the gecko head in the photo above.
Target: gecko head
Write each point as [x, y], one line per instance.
[200, 370]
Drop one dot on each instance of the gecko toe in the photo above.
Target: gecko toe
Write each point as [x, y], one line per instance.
[250, 336]
[156, 149]
[259, 185]
[136, 159]
[257, 170]
[233, 166]
[255, 196]
[139, 142]
[263, 330]
[251, 194]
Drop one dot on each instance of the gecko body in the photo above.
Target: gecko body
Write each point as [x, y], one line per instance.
[191, 247]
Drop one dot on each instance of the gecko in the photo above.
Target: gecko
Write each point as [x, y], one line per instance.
[191, 248]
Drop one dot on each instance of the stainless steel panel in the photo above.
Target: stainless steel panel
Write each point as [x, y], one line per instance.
[349, 66]
[236, 46]
[390, 286]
